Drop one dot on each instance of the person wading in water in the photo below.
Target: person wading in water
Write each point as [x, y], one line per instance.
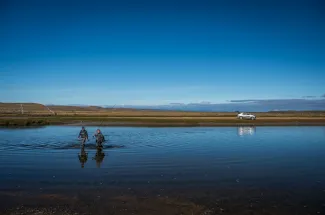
[83, 134]
[99, 138]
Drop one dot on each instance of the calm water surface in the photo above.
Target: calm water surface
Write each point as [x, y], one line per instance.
[274, 158]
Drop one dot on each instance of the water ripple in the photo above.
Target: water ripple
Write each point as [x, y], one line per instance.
[181, 153]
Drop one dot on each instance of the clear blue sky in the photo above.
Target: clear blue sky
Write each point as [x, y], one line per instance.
[159, 52]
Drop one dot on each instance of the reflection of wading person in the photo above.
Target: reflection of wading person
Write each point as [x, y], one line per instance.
[83, 156]
[99, 138]
[99, 157]
[83, 134]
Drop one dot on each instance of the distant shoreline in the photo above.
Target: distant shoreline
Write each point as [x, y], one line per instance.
[126, 124]
[30, 121]
[31, 115]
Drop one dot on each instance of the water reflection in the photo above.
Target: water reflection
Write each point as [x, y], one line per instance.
[246, 130]
[83, 156]
[99, 156]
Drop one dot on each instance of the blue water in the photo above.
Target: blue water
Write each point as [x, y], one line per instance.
[264, 157]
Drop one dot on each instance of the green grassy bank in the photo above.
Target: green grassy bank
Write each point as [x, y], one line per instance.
[156, 121]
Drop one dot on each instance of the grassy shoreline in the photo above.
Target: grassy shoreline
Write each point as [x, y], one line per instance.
[33, 114]
[28, 121]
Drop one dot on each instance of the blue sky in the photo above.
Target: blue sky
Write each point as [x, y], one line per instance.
[160, 52]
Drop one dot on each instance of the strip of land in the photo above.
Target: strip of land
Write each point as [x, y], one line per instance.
[17, 115]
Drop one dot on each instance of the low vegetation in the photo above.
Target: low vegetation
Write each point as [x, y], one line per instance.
[32, 114]
[155, 121]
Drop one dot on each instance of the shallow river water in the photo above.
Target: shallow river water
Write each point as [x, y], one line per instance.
[225, 170]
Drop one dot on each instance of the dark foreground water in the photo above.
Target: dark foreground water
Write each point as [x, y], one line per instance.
[224, 170]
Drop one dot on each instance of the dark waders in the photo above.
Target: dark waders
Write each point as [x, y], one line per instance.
[83, 141]
[99, 144]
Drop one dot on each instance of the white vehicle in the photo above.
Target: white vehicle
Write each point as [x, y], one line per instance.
[246, 116]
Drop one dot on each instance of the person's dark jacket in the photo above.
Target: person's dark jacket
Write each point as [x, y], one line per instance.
[99, 137]
[83, 134]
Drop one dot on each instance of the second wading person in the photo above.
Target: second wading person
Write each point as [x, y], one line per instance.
[99, 138]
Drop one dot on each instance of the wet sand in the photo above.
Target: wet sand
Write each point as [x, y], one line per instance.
[146, 201]
[111, 201]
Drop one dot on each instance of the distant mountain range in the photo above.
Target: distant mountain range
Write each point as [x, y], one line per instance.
[261, 105]
[258, 105]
